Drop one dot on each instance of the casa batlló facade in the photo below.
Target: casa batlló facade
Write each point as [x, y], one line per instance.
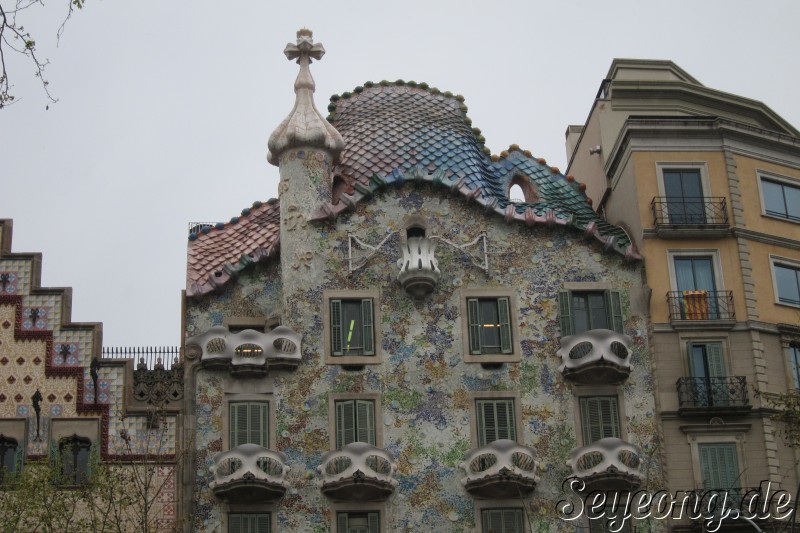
[395, 345]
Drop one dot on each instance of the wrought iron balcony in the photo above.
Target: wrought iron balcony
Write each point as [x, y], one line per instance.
[357, 472]
[248, 353]
[596, 357]
[700, 305]
[682, 217]
[702, 396]
[249, 474]
[419, 270]
[501, 469]
[607, 464]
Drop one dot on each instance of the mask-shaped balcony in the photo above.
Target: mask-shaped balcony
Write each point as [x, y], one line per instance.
[249, 473]
[357, 472]
[419, 270]
[248, 353]
[501, 469]
[599, 356]
[607, 464]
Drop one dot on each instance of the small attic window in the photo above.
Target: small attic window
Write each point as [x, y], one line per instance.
[415, 231]
[521, 190]
[338, 189]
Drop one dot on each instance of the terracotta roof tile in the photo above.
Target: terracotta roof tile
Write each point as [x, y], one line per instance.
[219, 252]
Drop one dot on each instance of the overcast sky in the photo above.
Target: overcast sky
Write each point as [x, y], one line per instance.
[165, 108]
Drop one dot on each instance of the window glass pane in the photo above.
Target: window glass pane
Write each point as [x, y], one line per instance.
[580, 313]
[792, 195]
[773, 198]
[598, 315]
[490, 326]
[8, 455]
[787, 280]
[352, 327]
[794, 354]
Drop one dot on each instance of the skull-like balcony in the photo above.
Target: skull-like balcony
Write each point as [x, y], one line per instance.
[607, 464]
[248, 353]
[599, 356]
[249, 473]
[501, 469]
[357, 472]
[419, 270]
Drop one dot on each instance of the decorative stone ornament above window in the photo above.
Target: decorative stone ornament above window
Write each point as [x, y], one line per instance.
[248, 353]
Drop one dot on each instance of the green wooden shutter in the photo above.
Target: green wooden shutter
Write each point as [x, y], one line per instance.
[513, 521]
[506, 426]
[565, 313]
[336, 327]
[474, 319]
[258, 423]
[495, 420]
[365, 421]
[341, 522]
[263, 525]
[599, 418]
[238, 422]
[716, 363]
[492, 521]
[504, 314]
[345, 423]
[374, 520]
[614, 308]
[235, 524]
[368, 335]
[719, 465]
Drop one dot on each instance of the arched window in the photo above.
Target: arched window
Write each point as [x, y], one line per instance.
[74, 454]
[8, 457]
[521, 190]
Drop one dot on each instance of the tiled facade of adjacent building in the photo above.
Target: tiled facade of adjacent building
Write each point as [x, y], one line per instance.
[707, 185]
[395, 345]
[59, 410]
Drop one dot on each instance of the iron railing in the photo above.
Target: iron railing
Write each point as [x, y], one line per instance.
[713, 392]
[700, 211]
[700, 305]
[151, 355]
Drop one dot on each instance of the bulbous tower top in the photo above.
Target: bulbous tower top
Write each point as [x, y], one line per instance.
[305, 127]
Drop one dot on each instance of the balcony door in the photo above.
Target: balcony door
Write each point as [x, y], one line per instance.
[708, 369]
[684, 192]
[694, 276]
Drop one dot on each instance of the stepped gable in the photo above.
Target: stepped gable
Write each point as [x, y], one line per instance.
[219, 252]
[66, 348]
[406, 131]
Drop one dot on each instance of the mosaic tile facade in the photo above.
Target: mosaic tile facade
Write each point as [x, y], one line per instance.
[425, 385]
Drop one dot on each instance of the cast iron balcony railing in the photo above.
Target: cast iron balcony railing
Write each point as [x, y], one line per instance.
[357, 472]
[701, 211]
[249, 473]
[501, 469]
[598, 356]
[700, 305]
[607, 464]
[706, 395]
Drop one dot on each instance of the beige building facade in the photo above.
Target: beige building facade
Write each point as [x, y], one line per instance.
[707, 185]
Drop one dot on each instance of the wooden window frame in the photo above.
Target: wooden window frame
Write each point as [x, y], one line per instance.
[375, 398]
[352, 360]
[512, 356]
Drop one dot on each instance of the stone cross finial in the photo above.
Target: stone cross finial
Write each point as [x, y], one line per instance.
[304, 127]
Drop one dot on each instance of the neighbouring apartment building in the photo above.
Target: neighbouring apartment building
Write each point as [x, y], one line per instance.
[396, 345]
[707, 185]
[74, 425]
